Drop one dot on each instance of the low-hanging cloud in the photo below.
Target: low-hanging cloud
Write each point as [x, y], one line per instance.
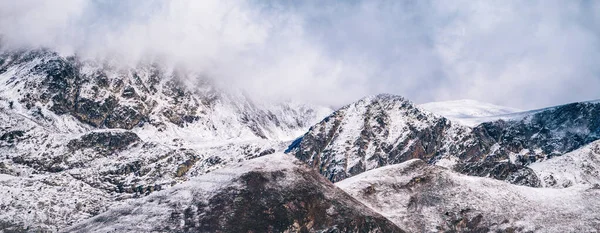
[523, 54]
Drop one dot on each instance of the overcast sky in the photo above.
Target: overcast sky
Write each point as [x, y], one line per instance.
[524, 54]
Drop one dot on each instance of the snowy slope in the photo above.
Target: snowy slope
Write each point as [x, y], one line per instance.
[580, 167]
[273, 193]
[122, 131]
[380, 130]
[423, 198]
[386, 129]
[467, 112]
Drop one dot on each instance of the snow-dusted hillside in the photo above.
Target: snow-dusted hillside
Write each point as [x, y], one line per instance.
[273, 193]
[423, 198]
[380, 130]
[79, 136]
[580, 167]
[386, 129]
[120, 132]
[467, 112]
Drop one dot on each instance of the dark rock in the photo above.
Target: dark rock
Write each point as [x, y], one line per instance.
[104, 142]
[129, 92]
[12, 136]
[267, 152]
[126, 117]
[515, 174]
[183, 168]
[93, 112]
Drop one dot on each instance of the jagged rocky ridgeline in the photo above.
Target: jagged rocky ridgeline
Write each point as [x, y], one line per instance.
[119, 132]
[387, 129]
[103, 95]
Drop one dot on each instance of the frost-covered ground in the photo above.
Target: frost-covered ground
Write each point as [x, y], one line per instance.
[580, 167]
[423, 198]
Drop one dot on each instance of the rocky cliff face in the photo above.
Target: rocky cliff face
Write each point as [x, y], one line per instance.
[385, 129]
[275, 193]
[381, 130]
[109, 96]
[119, 133]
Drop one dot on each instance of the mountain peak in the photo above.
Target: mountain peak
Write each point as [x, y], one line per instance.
[383, 97]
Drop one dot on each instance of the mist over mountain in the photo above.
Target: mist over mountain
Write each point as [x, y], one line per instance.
[250, 116]
[337, 52]
[83, 142]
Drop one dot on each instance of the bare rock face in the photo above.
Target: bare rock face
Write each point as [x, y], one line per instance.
[512, 173]
[274, 193]
[386, 129]
[12, 136]
[107, 142]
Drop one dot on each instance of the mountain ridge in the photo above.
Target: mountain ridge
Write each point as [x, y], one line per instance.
[342, 144]
[122, 133]
[82, 137]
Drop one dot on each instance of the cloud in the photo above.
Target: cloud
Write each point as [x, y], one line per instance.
[516, 53]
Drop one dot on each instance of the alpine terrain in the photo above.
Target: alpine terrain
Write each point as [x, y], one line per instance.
[77, 136]
[94, 146]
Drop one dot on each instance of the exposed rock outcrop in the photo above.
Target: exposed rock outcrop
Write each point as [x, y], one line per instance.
[512, 173]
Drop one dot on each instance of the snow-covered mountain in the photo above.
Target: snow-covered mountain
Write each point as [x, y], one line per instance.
[580, 167]
[467, 112]
[119, 132]
[377, 131]
[380, 130]
[89, 145]
[273, 193]
[422, 198]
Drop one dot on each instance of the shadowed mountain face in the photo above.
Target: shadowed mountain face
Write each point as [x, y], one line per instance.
[274, 193]
[385, 129]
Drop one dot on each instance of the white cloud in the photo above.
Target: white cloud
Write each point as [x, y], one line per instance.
[522, 54]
